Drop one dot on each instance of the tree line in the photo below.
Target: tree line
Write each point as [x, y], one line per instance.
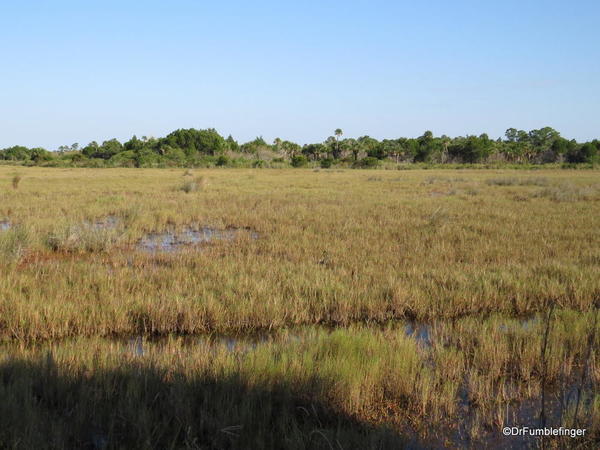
[193, 147]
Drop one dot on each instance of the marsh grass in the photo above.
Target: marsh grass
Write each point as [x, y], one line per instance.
[513, 181]
[335, 250]
[14, 242]
[130, 215]
[438, 218]
[195, 185]
[198, 397]
[80, 238]
[392, 251]
[568, 192]
[357, 386]
[16, 179]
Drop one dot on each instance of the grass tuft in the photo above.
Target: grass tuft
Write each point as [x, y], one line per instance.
[568, 192]
[71, 238]
[13, 243]
[16, 179]
[198, 184]
[511, 181]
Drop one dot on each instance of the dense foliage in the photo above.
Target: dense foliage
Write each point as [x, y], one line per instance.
[191, 147]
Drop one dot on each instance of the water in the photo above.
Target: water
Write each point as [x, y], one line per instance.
[521, 412]
[170, 241]
[419, 331]
[106, 223]
[525, 324]
[137, 345]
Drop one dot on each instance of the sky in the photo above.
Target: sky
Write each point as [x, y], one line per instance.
[73, 71]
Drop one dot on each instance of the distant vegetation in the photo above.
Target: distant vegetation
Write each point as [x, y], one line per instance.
[206, 148]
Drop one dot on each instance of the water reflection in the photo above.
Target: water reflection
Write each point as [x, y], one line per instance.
[171, 241]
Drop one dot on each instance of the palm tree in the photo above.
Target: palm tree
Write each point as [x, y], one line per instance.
[338, 132]
[445, 144]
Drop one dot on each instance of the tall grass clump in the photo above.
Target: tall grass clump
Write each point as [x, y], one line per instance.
[70, 238]
[438, 218]
[13, 243]
[511, 181]
[195, 185]
[130, 214]
[568, 192]
[16, 179]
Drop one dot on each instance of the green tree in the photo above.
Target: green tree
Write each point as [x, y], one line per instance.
[255, 145]
[40, 154]
[332, 146]
[517, 145]
[110, 148]
[586, 153]
[133, 144]
[231, 144]
[91, 150]
[353, 146]
[290, 149]
[367, 143]
[471, 149]
[338, 134]
[314, 151]
[16, 153]
[207, 142]
[427, 147]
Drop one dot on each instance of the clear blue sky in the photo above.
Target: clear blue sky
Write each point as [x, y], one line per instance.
[76, 71]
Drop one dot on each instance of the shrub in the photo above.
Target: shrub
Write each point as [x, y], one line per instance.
[222, 160]
[587, 153]
[299, 161]
[326, 163]
[367, 163]
[124, 159]
[259, 164]
[502, 182]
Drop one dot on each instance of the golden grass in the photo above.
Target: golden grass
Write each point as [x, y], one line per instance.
[470, 253]
[334, 247]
